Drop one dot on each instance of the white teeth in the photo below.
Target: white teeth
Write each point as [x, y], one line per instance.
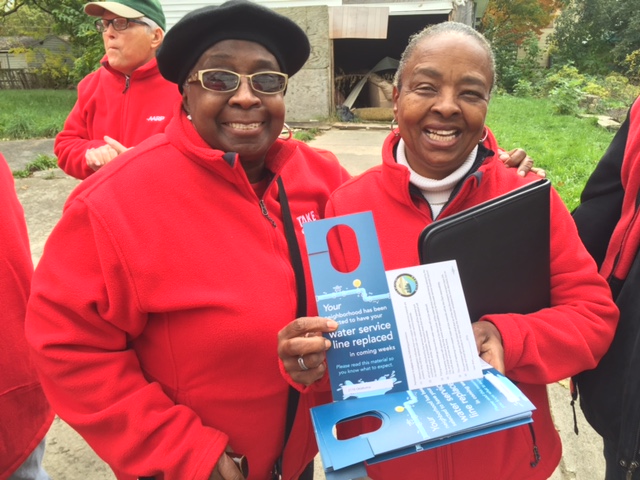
[443, 132]
[441, 135]
[244, 126]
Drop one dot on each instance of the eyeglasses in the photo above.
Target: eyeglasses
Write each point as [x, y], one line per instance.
[225, 81]
[119, 23]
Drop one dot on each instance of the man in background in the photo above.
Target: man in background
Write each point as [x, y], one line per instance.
[126, 100]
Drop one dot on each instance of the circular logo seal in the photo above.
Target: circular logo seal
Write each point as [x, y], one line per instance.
[405, 284]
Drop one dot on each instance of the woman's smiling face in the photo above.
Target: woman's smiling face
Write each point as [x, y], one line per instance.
[243, 121]
[441, 102]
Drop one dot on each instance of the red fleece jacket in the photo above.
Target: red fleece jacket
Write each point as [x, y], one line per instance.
[158, 299]
[127, 109]
[625, 240]
[540, 348]
[25, 415]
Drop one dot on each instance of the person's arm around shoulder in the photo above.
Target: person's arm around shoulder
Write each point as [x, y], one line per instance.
[515, 158]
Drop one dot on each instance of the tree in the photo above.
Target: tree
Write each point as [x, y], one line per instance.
[63, 17]
[510, 25]
[516, 19]
[26, 21]
[597, 36]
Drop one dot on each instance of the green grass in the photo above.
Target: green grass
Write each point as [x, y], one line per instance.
[306, 135]
[42, 162]
[34, 113]
[568, 148]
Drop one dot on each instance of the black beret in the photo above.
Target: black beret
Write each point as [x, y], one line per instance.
[198, 30]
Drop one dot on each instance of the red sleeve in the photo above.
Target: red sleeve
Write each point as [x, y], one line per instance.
[72, 143]
[582, 317]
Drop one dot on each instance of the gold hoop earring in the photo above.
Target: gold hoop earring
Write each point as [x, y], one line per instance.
[394, 128]
[288, 131]
[485, 135]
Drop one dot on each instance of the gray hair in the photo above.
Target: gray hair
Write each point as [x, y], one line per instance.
[440, 29]
[150, 23]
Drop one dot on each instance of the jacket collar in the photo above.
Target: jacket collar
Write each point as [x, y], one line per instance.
[182, 134]
[395, 175]
[146, 70]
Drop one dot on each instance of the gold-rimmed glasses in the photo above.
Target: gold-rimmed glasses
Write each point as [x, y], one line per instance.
[226, 81]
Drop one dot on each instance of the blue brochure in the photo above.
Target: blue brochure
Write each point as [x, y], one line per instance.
[365, 357]
[404, 353]
[399, 330]
[418, 420]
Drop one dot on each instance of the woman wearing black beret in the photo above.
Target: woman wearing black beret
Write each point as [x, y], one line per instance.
[157, 302]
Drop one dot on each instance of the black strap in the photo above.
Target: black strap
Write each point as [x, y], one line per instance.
[301, 311]
[294, 250]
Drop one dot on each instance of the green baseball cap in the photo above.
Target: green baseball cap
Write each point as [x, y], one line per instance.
[129, 9]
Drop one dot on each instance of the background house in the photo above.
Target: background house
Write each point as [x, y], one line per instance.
[348, 39]
[21, 56]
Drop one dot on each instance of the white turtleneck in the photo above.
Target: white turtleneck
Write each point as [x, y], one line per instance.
[435, 192]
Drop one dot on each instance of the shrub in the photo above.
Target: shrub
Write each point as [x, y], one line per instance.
[524, 88]
[562, 76]
[55, 71]
[620, 88]
[632, 62]
[514, 65]
[566, 97]
[593, 88]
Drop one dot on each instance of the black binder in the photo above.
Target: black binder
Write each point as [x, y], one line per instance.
[502, 250]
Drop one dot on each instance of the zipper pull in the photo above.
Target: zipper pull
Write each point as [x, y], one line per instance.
[263, 209]
[630, 469]
[126, 83]
[536, 456]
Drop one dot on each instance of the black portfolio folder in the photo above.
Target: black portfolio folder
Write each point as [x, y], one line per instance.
[502, 250]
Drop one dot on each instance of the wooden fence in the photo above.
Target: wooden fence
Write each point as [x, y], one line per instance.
[18, 80]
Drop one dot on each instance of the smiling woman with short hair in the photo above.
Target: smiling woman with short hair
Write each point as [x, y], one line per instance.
[435, 164]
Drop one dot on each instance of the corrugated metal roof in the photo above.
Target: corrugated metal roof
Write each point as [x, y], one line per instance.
[174, 10]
